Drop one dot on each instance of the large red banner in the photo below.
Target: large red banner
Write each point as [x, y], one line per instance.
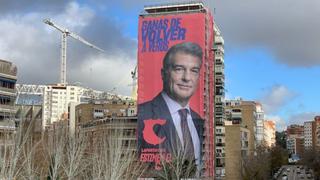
[158, 134]
[156, 35]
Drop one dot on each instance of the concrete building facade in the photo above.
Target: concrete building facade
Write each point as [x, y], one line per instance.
[309, 134]
[259, 124]
[219, 104]
[56, 99]
[103, 119]
[269, 137]
[317, 132]
[295, 139]
[237, 149]
[8, 78]
[104, 109]
[240, 132]
[249, 114]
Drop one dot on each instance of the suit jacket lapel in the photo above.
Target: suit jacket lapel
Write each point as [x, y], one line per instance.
[161, 110]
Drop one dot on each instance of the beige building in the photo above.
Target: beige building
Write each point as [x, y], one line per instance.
[103, 119]
[244, 113]
[240, 131]
[104, 109]
[237, 148]
[269, 133]
[309, 134]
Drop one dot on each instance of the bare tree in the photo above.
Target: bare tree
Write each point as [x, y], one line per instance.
[54, 147]
[311, 158]
[113, 157]
[74, 159]
[257, 165]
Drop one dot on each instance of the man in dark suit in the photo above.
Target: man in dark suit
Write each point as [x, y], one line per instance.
[166, 124]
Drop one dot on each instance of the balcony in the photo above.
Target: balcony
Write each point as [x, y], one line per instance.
[7, 108]
[7, 91]
[220, 144]
[219, 73]
[220, 165]
[7, 68]
[219, 123]
[219, 83]
[236, 121]
[220, 155]
[236, 115]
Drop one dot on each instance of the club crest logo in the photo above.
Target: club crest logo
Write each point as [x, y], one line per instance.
[148, 132]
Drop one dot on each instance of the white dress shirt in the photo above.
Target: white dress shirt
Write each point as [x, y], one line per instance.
[174, 107]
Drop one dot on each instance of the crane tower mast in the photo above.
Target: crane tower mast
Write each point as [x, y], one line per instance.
[65, 33]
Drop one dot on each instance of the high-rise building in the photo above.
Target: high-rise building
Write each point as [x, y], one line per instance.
[309, 134]
[219, 104]
[162, 26]
[317, 132]
[249, 114]
[295, 129]
[269, 136]
[240, 134]
[237, 149]
[260, 124]
[295, 139]
[8, 78]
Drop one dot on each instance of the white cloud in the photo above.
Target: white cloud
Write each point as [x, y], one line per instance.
[276, 97]
[35, 48]
[300, 118]
[105, 73]
[75, 16]
[279, 26]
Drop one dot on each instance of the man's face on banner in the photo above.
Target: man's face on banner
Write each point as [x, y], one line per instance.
[182, 76]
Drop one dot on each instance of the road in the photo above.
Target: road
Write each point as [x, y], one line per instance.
[295, 172]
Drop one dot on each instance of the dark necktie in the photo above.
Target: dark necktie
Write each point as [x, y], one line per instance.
[187, 139]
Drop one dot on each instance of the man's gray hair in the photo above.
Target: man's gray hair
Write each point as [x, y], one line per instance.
[185, 47]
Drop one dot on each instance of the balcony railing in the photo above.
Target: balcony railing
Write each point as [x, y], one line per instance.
[219, 123]
[220, 144]
[8, 68]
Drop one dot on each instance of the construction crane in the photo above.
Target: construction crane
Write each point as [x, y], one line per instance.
[65, 33]
[134, 83]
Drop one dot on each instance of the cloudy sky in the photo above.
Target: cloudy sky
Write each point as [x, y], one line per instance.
[272, 50]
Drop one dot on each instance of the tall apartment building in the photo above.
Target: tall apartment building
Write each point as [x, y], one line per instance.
[309, 128]
[240, 134]
[260, 124]
[56, 100]
[237, 148]
[249, 114]
[269, 136]
[295, 139]
[219, 114]
[295, 129]
[198, 26]
[8, 78]
[317, 132]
